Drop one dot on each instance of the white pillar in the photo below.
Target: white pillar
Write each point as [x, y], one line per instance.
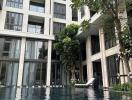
[46, 26]
[21, 62]
[88, 58]
[130, 63]
[2, 19]
[25, 23]
[68, 12]
[103, 59]
[48, 6]
[25, 15]
[49, 63]
[46, 19]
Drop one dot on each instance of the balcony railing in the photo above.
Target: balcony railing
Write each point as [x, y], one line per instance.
[36, 29]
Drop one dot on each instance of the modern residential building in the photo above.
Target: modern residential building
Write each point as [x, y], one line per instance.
[27, 32]
[102, 51]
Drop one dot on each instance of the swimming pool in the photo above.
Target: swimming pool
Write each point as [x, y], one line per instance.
[12, 93]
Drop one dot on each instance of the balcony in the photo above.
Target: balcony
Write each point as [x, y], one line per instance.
[35, 25]
[38, 6]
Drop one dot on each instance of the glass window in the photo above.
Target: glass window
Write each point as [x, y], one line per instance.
[9, 47]
[37, 7]
[34, 74]
[9, 58]
[36, 50]
[13, 21]
[59, 11]
[8, 73]
[110, 40]
[109, 36]
[15, 3]
[36, 28]
[113, 69]
[58, 27]
[74, 15]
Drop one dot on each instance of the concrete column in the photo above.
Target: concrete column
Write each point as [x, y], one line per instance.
[46, 21]
[87, 12]
[2, 19]
[46, 26]
[68, 12]
[130, 63]
[123, 71]
[26, 5]
[88, 58]
[79, 16]
[103, 59]
[47, 6]
[25, 23]
[49, 63]
[25, 15]
[21, 62]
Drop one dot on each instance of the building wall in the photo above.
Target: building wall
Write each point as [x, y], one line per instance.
[47, 19]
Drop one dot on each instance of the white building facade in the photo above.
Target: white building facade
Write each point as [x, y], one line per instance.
[27, 31]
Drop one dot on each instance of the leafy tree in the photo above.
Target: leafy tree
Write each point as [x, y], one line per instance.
[68, 47]
[115, 9]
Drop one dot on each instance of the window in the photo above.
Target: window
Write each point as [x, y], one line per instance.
[36, 50]
[15, 3]
[13, 21]
[59, 11]
[10, 48]
[35, 28]
[9, 60]
[82, 12]
[113, 69]
[95, 44]
[109, 36]
[74, 15]
[58, 27]
[37, 7]
[110, 39]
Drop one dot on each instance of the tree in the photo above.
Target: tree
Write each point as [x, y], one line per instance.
[113, 8]
[67, 47]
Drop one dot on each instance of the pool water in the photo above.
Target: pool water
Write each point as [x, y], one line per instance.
[12, 93]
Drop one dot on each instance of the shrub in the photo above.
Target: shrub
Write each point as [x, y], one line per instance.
[123, 87]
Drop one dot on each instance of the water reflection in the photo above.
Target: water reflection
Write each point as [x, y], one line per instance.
[91, 94]
[47, 93]
[26, 93]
